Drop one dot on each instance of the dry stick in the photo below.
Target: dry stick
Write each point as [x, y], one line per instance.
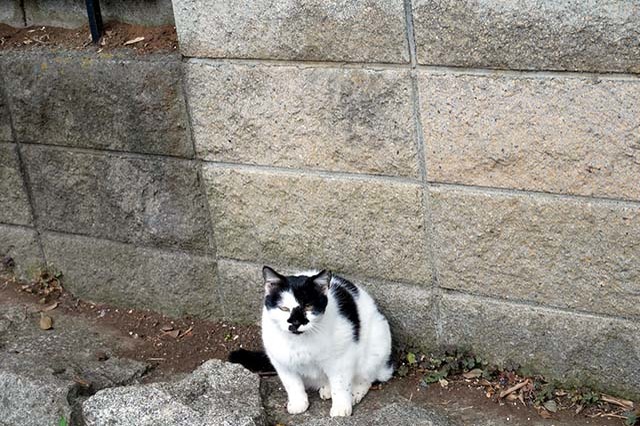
[513, 388]
[617, 401]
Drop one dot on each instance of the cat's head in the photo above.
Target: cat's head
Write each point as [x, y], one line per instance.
[296, 302]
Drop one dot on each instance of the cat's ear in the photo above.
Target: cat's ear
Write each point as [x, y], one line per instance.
[323, 280]
[271, 278]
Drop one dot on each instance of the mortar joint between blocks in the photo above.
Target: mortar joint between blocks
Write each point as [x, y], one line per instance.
[197, 163]
[23, 171]
[429, 230]
[410, 32]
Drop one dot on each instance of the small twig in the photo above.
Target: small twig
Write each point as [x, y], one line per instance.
[187, 331]
[514, 388]
[617, 401]
[617, 416]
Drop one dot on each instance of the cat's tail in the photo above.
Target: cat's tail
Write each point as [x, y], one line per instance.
[256, 361]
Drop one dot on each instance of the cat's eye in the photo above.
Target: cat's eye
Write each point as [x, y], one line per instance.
[308, 307]
[283, 308]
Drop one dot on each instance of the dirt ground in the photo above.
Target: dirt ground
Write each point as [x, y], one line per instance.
[169, 345]
[117, 35]
[178, 345]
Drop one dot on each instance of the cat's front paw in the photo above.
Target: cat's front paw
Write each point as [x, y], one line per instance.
[325, 392]
[340, 410]
[297, 406]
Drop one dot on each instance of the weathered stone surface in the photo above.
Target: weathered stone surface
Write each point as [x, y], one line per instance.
[173, 283]
[217, 393]
[143, 201]
[11, 14]
[242, 290]
[397, 414]
[14, 202]
[554, 251]
[330, 30]
[553, 134]
[73, 13]
[5, 119]
[587, 35]
[408, 308]
[98, 101]
[21, 244]
[341, 119]
[40, 370]
[371, 228]
[576, 349]
[388, 407]
[410, 312]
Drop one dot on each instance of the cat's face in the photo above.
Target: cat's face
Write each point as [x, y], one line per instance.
[295, 303]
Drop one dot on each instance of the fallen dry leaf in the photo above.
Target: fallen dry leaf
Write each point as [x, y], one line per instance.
[173, 333]
[476, 372]
[82, 382]
[167, 328]
[551, 406]
[51, 307]
[133, 40]
[443, 382]
[46, 322]
[544, 413]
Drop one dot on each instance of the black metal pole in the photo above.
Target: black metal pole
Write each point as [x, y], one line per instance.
[95, 19]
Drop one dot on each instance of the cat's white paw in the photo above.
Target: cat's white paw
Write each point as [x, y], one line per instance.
[297, 406]
[359, 391]
[325, 392]
[340, 410]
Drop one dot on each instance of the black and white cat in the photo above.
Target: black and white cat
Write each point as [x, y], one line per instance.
[325, 333]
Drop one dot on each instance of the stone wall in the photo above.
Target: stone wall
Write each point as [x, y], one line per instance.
[73, 13]
[476, 165]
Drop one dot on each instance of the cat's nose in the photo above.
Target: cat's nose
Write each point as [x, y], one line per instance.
[294, 322]
[294, 327]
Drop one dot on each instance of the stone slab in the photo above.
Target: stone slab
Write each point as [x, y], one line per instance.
[14, 203]
[216, 394]
[20, 244]
[365, 227]
[11, 14]
[387, 407]
[571, 135]
[41, 371]
[408, 308]
[116, 102]
[316, 30]
[568, 253]
[173, 283]
[579, 350]
[145, 201]
[339, 119]
[73, 13]
[587, 35]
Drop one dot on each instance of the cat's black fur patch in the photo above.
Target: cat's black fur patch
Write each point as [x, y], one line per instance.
[258, 362]
[272, 299]
[346, 284]
[347, 306]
